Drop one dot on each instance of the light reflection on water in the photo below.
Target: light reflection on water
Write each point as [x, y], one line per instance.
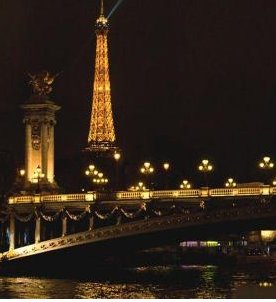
[151, 282]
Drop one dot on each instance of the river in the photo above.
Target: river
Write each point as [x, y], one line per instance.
[172, 281]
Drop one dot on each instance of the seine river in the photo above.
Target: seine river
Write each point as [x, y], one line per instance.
[207, 281]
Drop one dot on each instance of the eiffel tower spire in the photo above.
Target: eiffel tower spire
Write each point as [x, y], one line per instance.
[102, 8]
[102, 133]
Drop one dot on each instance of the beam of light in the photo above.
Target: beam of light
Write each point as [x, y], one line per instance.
[114, 8]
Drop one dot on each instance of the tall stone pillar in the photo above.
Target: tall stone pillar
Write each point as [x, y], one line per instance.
[39, 120]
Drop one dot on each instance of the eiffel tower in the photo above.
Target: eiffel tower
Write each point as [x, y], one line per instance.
[101, 138]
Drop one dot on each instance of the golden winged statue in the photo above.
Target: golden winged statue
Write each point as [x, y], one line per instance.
[42, 83]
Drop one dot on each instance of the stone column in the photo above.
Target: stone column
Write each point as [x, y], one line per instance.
[44, 147]
[64, 226]
[37, 229]
[51, 155]
[12, 232]
[28, 151]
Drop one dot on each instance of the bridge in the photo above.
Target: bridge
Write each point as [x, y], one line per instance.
[63, 227]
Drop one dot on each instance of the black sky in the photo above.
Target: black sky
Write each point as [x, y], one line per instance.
[190, 78]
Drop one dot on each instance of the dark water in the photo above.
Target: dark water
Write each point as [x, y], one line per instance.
[250, 281]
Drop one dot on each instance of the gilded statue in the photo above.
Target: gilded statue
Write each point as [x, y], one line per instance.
[42, 83]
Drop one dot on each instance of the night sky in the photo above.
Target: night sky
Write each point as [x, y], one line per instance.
[190, 78]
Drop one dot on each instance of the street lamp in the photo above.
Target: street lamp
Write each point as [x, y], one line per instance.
[139, 187]
[117, 157]
[185, 184]
[230, 183]
[205, 167]
[96, 177]
[274, 182]
[38, 175]
[22, 172]
[166, 167]
[147, 169]
[266, 164]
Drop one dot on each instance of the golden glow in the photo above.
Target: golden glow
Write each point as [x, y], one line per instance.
[117, 156]
[230, 183]
[166, 166]
[205, 166]
[22, 172]
[266, 163]
[268, 235]
[139, 187]
[91, 167]
[101, 125]
[265, 284]
[185, 184]
[147, 168]
[147, 165]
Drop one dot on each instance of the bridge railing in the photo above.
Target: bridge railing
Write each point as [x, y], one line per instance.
[91, 196]
[134, 195]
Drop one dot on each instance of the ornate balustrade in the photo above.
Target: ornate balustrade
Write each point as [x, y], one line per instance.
[137, 195]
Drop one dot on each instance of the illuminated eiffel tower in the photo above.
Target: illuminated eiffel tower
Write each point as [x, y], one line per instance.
[101, 138]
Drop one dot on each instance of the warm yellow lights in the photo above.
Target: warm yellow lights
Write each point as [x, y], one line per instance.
[205, 166]
[230, 183]
[147, 168]
[117, 156]
[91, 167]
[22, 172]
[166, 166]
[139, 187]
[265, 284]
[266, 163]
[38, 175]
[185, 184]
[97, 177]
[101, 133]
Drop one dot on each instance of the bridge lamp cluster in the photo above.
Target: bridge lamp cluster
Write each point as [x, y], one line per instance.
[139, 187]
[97, 177]
[91, 171]
[185, 185]
[230, 183]
[205, 166]
[266, 163]
[100, 179]
[37, 174]
[147, 168]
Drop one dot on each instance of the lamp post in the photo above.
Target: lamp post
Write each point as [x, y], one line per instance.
[38, 175]
[147, 169]
[205, 167]
[139, 187]
[22, 172]
[230, 183]
[166, 168]
[267, 165]
[96, 176]
[185, 185]
[117, 157]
